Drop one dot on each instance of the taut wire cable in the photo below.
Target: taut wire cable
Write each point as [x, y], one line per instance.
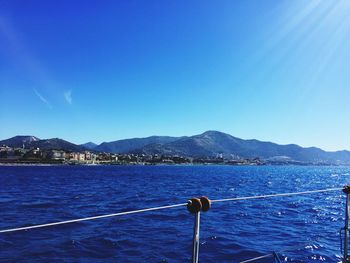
[164, 207]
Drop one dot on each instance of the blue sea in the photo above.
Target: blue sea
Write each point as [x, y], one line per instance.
[300, 228]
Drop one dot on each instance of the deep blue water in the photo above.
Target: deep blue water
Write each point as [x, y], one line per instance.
[306, 225]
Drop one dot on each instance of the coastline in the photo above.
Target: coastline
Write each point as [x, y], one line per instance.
[161, 164]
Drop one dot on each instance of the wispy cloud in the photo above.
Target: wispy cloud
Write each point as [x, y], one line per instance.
[14, 44]
[68, 96]
[42, 98]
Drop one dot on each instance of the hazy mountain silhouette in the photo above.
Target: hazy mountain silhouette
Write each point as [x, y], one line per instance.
[208, 144]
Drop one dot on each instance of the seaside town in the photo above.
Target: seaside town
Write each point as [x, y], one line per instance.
[13, 155]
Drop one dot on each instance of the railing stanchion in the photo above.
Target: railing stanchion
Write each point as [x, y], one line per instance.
[195, 206]
[195, 251]
[346, 258]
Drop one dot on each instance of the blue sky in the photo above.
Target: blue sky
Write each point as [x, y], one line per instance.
[107, 70]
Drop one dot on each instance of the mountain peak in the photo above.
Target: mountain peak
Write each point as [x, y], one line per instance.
[20, 140]
[213, 132]
[89, 145]
[26, 138]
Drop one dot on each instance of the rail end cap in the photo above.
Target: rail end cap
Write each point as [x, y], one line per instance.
[346, 189]
[206, 203]
[194, 205]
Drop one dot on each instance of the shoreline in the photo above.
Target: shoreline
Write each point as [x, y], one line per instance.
[160, 164]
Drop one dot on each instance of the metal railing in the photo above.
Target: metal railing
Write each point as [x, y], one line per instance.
[197, 205]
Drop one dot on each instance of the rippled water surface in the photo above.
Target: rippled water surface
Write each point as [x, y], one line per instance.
[307, 226]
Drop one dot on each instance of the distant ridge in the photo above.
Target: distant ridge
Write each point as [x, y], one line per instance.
[47, 144]
[19, 141]
[57, 144]
[206, 145]
[128, 145]
[213, 143]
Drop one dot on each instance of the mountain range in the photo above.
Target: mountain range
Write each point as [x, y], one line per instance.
[208, 144]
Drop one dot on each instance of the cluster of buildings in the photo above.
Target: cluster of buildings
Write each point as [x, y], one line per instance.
[37, 155]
